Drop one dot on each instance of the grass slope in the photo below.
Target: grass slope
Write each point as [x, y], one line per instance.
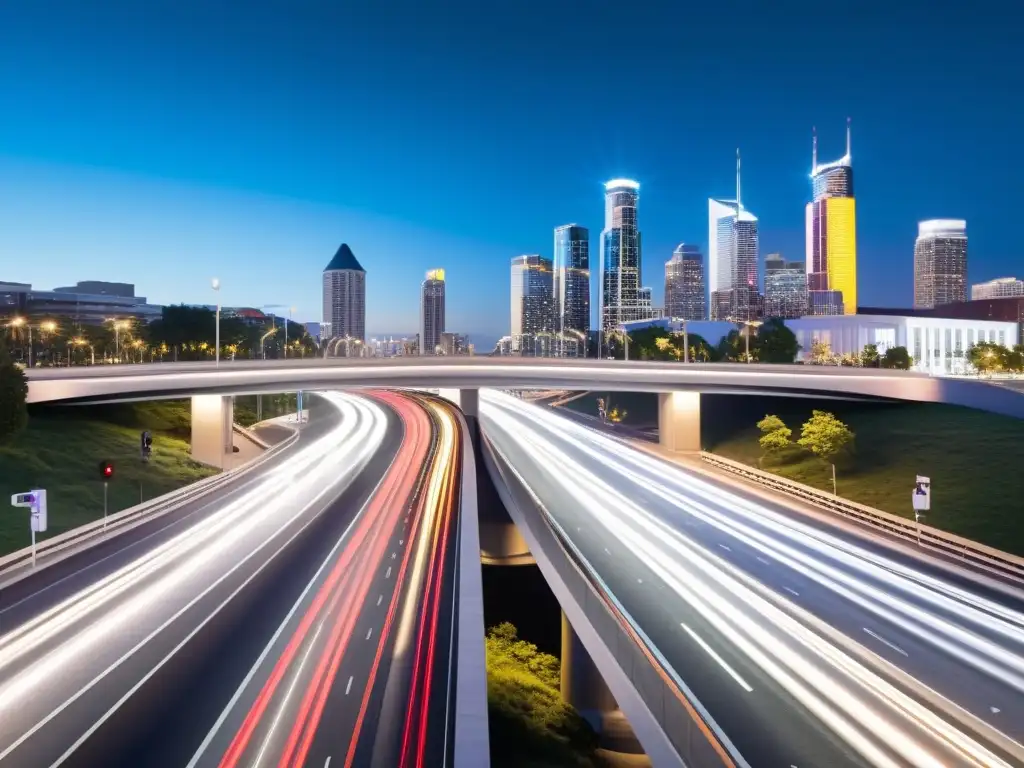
[529, 724]
[972, 457]
[61, 450]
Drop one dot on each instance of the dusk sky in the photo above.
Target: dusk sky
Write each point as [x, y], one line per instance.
[164, 143]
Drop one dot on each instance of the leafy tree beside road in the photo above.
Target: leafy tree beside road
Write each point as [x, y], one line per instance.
[775, 435]
[897, 358]
[13, 396]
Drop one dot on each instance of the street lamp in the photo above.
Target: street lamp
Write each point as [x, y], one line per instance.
[263, 338]
[17, 322]
[78, 341]
[215, 284]
[746, 335]
[117, 325]
[625, 340]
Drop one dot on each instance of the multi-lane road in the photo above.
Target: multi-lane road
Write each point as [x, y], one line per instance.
[248, 626]
[805, 644]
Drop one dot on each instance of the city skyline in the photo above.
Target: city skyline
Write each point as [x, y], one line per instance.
[98, 180]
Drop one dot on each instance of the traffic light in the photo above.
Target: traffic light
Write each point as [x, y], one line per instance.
[106, 470]
[146, 445]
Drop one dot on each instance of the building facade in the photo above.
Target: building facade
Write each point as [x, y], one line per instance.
[620, 281]
[344, 298]
[937, 345]
[532, 303]
[455, 344]
[940, 263]
[831, 232]
[432, 308]
[1000, 288]
[785, 287]
[685, 286]
[571, 279]
[733, 256]
[83, 308]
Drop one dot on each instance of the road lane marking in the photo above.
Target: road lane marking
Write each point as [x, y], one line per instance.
[792, 591]
[639, 581]
[881, 639]
[721, 662]
[369, 632]
[379, 598]
[349, 686]
[725, 547]
[327, 763]
[766, 562]
[388, 574]
[401, 542]
[392, 555]
[606, 550]
[995, 710]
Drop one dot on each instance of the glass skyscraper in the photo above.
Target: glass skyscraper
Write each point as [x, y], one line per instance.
[532, 303]
[344, 297]
[620, 256]
[733, 258]
[940, 263]
[571, 283]
[432, 312]
[785, 287]
[685, 289]
[831, 222]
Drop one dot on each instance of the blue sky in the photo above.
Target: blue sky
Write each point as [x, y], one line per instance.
[167, 142]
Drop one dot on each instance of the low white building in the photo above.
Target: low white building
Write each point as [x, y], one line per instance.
[937, 345]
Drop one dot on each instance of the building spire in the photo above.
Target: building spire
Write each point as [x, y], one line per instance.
[814, 149]
[847, 137]
[739, 205]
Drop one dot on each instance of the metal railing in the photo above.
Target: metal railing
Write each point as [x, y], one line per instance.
[49, 550]
[970, 552]
[683, 721]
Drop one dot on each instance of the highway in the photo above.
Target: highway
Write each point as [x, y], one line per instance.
[138, 653]
[739, 599]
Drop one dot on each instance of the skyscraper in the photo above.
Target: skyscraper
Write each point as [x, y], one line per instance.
[785, 287]
[571, 279]
[732, 258]
[432, 312]
[344, 298]
[620, 255]
[532, 303]
[831, 222]
[940, 263]
[1000, 288]
[685, 290]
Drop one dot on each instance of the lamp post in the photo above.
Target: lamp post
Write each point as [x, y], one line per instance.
[17, 322]
[290, 311]
[215, 284]
[625, 341]
[263, 338]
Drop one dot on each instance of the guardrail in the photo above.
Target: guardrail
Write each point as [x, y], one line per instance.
[971, 552]
[686, 734]
[62, 543]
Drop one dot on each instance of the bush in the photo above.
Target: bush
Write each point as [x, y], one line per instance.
[13, 398]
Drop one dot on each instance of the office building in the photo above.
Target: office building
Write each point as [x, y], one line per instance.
[571, 280]
[432, 312]
[532, 303]
[82, 308]
[940, 263]
[620, 280]
[733, 258]
[99, 288]
[937, 345]
[685, 288]
[455, 344]
[1000, 288]
[831, 232]
[344, 299]
[785, 287]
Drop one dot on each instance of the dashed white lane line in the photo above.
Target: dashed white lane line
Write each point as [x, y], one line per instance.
[379, 598]
[388, 574]
[607, 550]
[369, 632]
[995, 710]
[761, 559]
[401, 542]
[327, 763]
[392, 555]
[721, 662]
[792, 591]
[349, 686]
[725, 547]
[881, 639]
[639, 581]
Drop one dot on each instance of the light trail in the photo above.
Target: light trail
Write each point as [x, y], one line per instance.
[53, 660]
[560, 460]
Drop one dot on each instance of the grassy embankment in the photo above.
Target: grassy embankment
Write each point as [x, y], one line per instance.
[61, 450]
[971, 457]
[273, 405]
[529, 723]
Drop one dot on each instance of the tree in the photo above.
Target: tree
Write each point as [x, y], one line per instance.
[821, 353]
[775, 342]
[775, 435]
[13, 398]
[869, 356]
[825, 436]
[988, 357]
[897, 358]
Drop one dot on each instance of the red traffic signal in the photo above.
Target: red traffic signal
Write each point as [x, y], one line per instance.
[106, 470]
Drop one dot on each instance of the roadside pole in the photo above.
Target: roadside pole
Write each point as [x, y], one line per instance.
[921, 498]
[35, 501]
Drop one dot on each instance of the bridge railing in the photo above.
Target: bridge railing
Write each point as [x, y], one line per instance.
[683, 722]
[17, 565]
[970, 552]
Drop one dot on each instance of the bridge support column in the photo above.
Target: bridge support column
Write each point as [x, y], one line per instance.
[583, 687]
[679, 421]
[212, 429]
[468, 400]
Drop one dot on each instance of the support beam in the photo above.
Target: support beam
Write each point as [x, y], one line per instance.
[212, 432]
[679, 421]
[582, 685]
[468, 400]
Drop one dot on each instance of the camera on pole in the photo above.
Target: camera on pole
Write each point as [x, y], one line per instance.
[921, 497]
[35, 501]
[146, 445]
